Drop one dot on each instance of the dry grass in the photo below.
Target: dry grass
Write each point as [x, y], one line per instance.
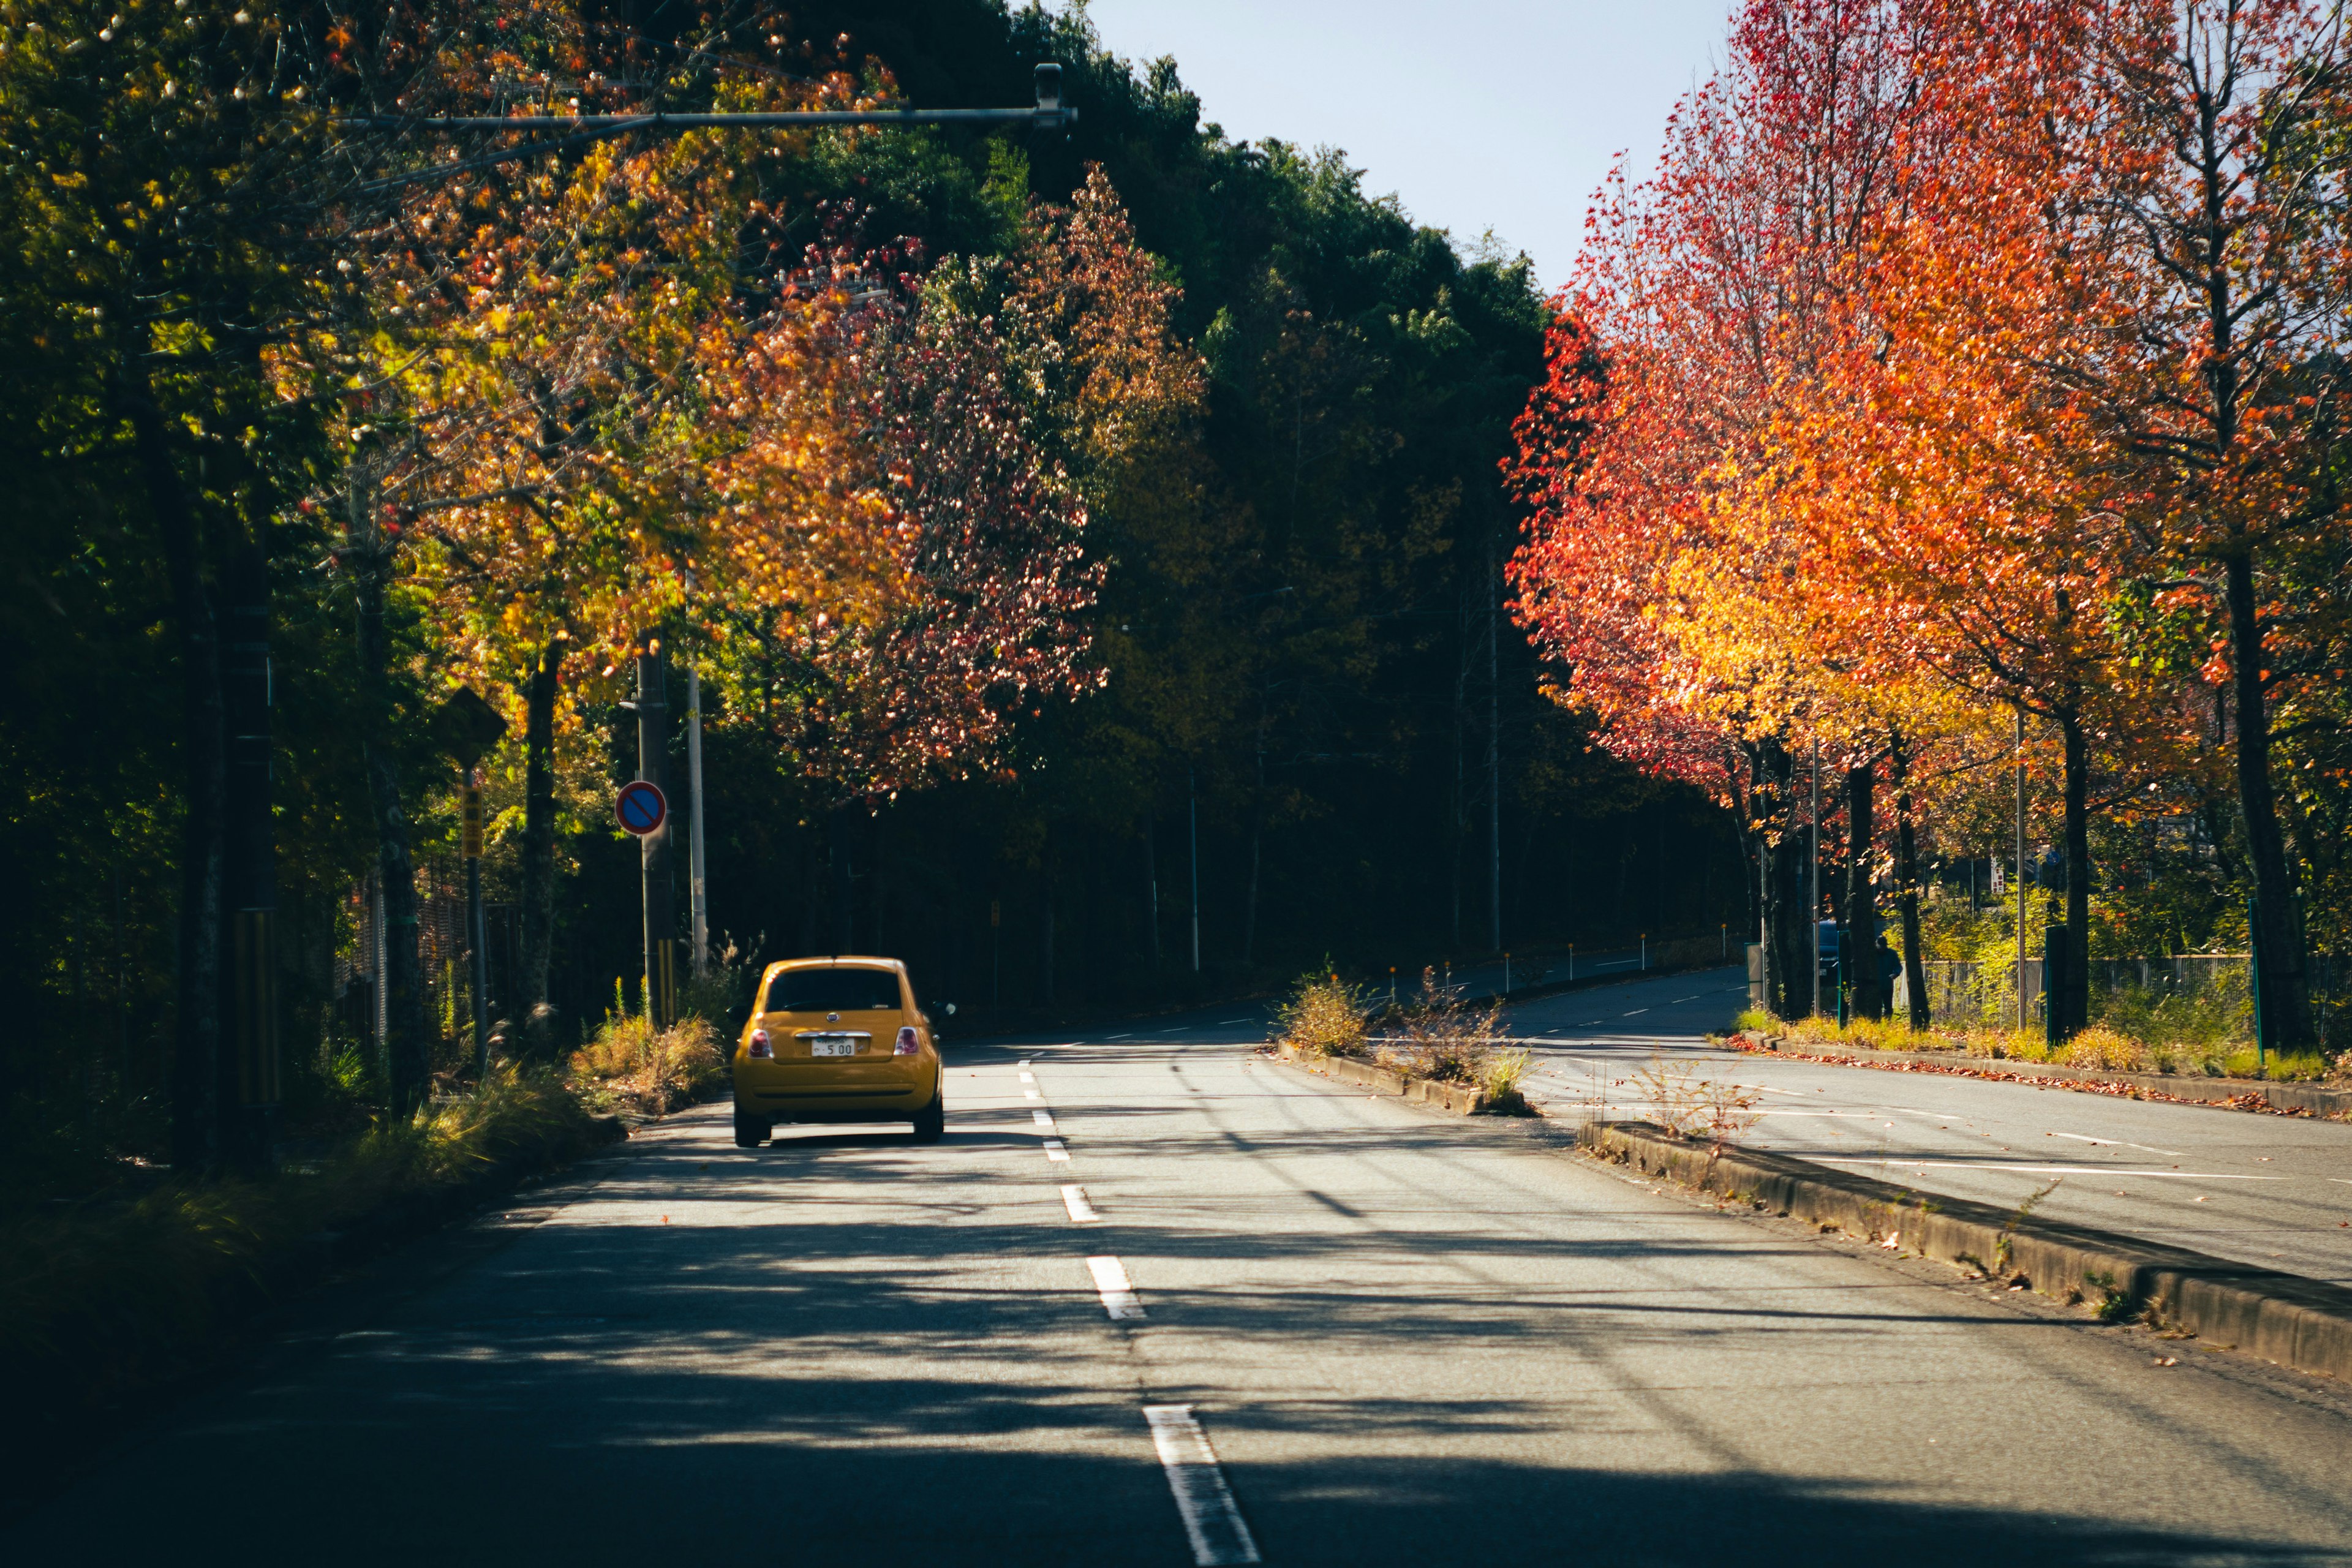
[1687, 1099]
[2104, 1048]
[104, 1295]
[1324, 1017]
[1440, 1036]
[631, 1066]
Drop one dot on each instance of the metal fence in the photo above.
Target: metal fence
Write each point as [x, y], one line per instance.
[1964, 993]
[444, 956]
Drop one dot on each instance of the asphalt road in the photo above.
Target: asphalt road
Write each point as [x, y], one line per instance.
[1161, 1300]
[2270, 1190]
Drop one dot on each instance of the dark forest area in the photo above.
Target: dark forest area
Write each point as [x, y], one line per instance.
[1309, 655]
[1312, 728]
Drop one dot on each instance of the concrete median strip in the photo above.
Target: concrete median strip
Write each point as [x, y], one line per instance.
[2301, 1323]
[1460, 1099]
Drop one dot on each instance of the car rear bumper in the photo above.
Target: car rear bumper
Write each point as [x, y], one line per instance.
[811, 1102]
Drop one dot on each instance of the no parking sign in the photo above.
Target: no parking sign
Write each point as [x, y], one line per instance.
[641, 807]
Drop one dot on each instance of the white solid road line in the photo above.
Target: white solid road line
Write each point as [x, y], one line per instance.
[1057, 1149]
[1074, 1200]
[1042, 1118]
[1211, 1520]
[2122, 1143]
[1119, 1297]
[2038, 1170]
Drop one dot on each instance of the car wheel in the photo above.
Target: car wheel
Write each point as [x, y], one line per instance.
[931, 1121]
[751, 1131]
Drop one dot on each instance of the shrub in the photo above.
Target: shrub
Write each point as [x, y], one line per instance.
[723, 991]
[116, 1291]
[2101, 1046]
[630, 1065]
[1324, 1017]
[1440, 1036]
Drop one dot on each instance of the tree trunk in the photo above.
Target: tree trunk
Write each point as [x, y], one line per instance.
[1907, 872]
[1789, 932]
[843, 882]
[1257, 844]
[1151, 889]
[248, 1063]
[2074, 1006]
[195, 1072]
[407, 1046]
[2287, 1002]
[1864, 989]
[538, 830]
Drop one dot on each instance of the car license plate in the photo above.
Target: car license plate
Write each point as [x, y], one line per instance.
[833, 1047]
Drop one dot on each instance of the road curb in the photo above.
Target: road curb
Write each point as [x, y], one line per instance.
[2227, 1093]
[1456, 1098]
[2301, 1323]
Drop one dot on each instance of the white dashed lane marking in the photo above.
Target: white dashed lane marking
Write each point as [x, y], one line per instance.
[1042, 1118]
[1119, 1297]
[2121, 1143]
[1057, 1149]
[1212, 1520]
[1074, 1199]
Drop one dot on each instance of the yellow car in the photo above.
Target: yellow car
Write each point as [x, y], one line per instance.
[837, 1039]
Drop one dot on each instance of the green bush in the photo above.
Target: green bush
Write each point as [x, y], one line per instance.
[126, 1287]
[1324, 1017]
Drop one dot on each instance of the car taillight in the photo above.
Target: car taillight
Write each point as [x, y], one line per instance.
[760, 1045]
[906, 1046]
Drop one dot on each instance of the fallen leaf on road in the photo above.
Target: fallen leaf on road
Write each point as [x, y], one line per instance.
[2168, 1360]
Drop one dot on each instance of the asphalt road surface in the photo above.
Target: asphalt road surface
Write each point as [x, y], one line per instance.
[1158, 1300]
[2270, 1190]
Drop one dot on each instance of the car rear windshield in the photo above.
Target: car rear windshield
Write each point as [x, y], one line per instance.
[833, 991]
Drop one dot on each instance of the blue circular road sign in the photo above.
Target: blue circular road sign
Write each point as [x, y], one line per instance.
[641, 807]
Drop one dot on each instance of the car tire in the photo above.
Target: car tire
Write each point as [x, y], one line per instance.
[931, 1121]
[751, 1131]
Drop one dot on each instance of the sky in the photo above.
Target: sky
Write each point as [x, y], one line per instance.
[1478, 115]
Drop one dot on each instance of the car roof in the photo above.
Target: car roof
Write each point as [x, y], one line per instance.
[844, 960]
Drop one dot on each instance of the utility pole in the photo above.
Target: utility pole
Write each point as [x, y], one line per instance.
[1813, 910]
[698, 891]
[1494, 754]
[652, 848]
[248, 1068]
[469, 726]
[2021, 866]
[1192, 809]
[477, 932]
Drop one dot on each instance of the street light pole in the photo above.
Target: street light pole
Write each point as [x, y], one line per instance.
[569, 130]
[1813, 910]
[698, 891]
[652, 848]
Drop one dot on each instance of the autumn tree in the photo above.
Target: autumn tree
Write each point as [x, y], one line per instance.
[2200, 138]
[1655, 551]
